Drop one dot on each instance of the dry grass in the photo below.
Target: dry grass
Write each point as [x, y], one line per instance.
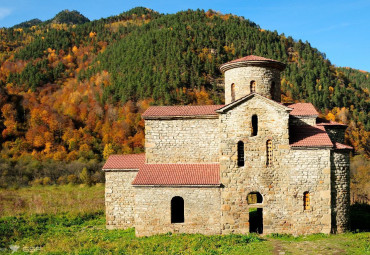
[51, 200]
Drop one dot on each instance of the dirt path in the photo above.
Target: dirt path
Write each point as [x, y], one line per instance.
[319, 247]
[278, 249]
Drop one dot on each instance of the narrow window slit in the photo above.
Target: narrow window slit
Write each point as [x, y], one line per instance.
[254, 125]
[240, 154]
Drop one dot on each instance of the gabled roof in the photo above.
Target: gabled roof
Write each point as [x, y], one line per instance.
[178, 174]
[157, 112]
[309, 136]
[252, 60]
[128, 161]
[303, 109]
[230, 106]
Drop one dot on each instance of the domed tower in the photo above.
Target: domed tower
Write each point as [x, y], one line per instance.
[252, 74]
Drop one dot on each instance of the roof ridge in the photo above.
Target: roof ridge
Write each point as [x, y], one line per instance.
[240, 100]
[181, 110]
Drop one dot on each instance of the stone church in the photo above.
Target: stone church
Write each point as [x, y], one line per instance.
[251, 165]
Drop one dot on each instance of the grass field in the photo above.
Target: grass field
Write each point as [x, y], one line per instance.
[51, 200]
[70, 219]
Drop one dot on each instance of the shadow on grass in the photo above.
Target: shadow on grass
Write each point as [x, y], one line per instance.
[360, 217]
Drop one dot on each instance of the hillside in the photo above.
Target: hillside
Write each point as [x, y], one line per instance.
[74, 92]
[63, 17]
[28, 24]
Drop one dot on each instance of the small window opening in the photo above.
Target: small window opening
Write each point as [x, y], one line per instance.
[240, 153]
[253, 86]
[232, 92]
[254, 125]
[254, 198]
[272, 89]
[269, 153]
[177, 210]
[306, 200]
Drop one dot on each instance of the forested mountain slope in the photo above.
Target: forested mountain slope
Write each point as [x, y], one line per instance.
[75, 92]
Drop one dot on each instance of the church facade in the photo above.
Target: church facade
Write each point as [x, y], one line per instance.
[251, 165]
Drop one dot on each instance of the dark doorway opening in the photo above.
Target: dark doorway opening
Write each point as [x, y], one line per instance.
[255, 220]
[177, 210]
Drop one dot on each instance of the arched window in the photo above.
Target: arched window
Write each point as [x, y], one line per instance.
[253, 86]
[254, 125]
[232, 92]
[240, 153]
[272, 89]
[269, 152]
[254, 198]
[306, 200]
[177, 210]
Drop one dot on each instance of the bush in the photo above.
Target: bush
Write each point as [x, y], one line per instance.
[37, 182]
[46, 181]
[62, 180]
[72, 179]
[85, 176]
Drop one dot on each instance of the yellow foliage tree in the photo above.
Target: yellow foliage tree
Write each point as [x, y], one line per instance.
[108, 150]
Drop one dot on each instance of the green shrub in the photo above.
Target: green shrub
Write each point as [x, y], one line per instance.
[46, 181]
[72, 179]
[85, 176]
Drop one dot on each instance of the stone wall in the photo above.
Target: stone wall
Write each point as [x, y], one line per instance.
[242, 77]
[182, 140]
[340, 192]
[336, 134]
[282, 184]
[119, 199]
[201, 210]
[302, 121]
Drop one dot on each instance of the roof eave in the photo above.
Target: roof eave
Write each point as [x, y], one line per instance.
[350, 149]
[305, 116]
[333, 125]
[178, 185]
[312, 146]
[120, 169]
[206, 116]
[230, 65]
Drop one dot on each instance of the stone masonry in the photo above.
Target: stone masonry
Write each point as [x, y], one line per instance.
[340, 195]
[153, 210]
[120, 199]
[212, 158]
[181, 140]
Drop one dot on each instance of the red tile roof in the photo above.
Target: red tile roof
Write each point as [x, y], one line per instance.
[178, 174]
[309, 136]
[128, 161]
[182, 110]
[251, 58]
[324, 122]
[303, 109]
[340, 146]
